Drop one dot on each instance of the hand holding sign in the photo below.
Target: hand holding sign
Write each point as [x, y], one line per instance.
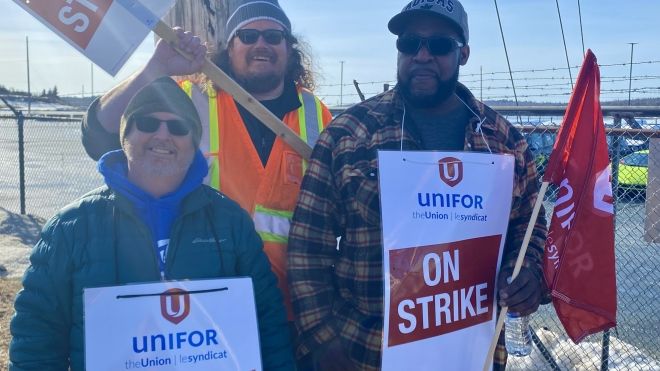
[167, 61]
[523, 295]
[109, 31]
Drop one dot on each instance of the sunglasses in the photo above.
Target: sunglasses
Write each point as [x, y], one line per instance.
[148, 124]
[249, 36]
[437, 46]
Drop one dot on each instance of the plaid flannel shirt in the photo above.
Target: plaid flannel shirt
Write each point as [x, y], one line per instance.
[339, 291]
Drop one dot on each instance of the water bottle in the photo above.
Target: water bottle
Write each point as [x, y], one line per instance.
[517, 335]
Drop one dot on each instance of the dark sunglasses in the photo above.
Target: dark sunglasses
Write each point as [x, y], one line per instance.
[250, 36]
[148, 124]
[435, 45]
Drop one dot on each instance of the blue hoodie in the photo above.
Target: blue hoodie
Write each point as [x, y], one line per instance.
[158, 214]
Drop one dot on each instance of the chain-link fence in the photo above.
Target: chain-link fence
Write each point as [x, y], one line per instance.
[634, 344]
[57, 171]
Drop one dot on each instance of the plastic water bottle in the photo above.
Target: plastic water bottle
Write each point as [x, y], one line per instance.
[517, 335]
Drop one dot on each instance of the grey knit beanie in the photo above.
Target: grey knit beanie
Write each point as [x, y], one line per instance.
[247, 11]
[162, 95]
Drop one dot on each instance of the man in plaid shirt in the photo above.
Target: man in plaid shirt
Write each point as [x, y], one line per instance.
[337, 289]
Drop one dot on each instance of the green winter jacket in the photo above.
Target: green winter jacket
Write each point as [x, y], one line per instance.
[99, 241]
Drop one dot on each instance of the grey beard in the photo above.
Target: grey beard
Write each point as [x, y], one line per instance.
[445, 89]
[163, 170]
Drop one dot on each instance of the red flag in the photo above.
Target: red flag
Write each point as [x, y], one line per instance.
[579, 255]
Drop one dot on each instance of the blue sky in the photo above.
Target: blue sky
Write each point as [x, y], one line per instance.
[356, 32]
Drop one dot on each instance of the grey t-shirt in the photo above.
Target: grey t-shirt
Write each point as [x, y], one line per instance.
[441, 133]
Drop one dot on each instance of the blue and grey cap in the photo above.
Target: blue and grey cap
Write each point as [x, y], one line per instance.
[247, 11]
[450, 10]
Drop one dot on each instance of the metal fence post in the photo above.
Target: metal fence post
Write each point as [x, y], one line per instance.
[21, 160]
[544, 351]
[616, 156]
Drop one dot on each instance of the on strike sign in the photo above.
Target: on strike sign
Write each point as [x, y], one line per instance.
[444, 220]
[105, 31]
[441, 288]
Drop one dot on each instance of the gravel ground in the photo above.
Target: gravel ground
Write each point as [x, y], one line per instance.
[8, 289]
[18, 233]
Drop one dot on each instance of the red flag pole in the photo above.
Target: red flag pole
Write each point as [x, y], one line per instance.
[516, 269]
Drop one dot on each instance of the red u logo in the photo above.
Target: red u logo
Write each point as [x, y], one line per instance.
[175, 305]
[451, 170]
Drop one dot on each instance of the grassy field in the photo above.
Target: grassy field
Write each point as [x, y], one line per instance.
[8, 289]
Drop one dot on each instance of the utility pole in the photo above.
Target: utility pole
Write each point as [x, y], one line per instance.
[203, 18]
[632, 48]
[27, 53]
[91, 65]
[481, 84]
[341, 84]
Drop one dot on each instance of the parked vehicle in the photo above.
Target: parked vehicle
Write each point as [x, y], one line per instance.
[541, 143]
[634, 174]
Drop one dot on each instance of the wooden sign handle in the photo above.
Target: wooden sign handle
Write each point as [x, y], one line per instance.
[516, 269]
[241, 96]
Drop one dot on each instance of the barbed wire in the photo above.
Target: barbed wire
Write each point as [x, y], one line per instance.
[465, 79]
[604, 79]
[533, 70]
[604, 92]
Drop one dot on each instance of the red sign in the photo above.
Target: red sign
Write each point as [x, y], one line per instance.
[451, 170]
[439, 289]
[175, 305]
[77, 20]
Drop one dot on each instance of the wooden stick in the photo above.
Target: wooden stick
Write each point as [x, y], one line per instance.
[244, 98]
[516, 269]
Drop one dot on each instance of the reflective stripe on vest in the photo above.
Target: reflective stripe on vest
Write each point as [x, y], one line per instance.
[310, 120]
[272, 225]
[310, 117]
[214, 145]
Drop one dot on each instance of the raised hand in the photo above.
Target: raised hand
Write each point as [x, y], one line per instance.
[166, 61]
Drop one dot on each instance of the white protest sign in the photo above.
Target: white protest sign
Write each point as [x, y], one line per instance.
[444, 218]
[105, 31]
[186, 325]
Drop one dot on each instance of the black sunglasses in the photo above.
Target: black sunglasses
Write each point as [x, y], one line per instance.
[249, 36]
[435, 45]
[147, 124]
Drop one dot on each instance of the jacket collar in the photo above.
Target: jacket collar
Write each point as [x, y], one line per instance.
[194, 201]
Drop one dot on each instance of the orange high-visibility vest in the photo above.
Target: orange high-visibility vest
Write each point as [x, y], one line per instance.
[268, 193]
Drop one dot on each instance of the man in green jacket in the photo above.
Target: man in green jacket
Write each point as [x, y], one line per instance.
[153, 220]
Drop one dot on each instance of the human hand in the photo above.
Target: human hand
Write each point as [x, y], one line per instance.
[523, 295]
[332, 357]
[166, 61]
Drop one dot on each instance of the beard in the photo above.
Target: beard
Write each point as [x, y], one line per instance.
[444, 89]
[263, 81]
[145, 165]
[259, 83]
